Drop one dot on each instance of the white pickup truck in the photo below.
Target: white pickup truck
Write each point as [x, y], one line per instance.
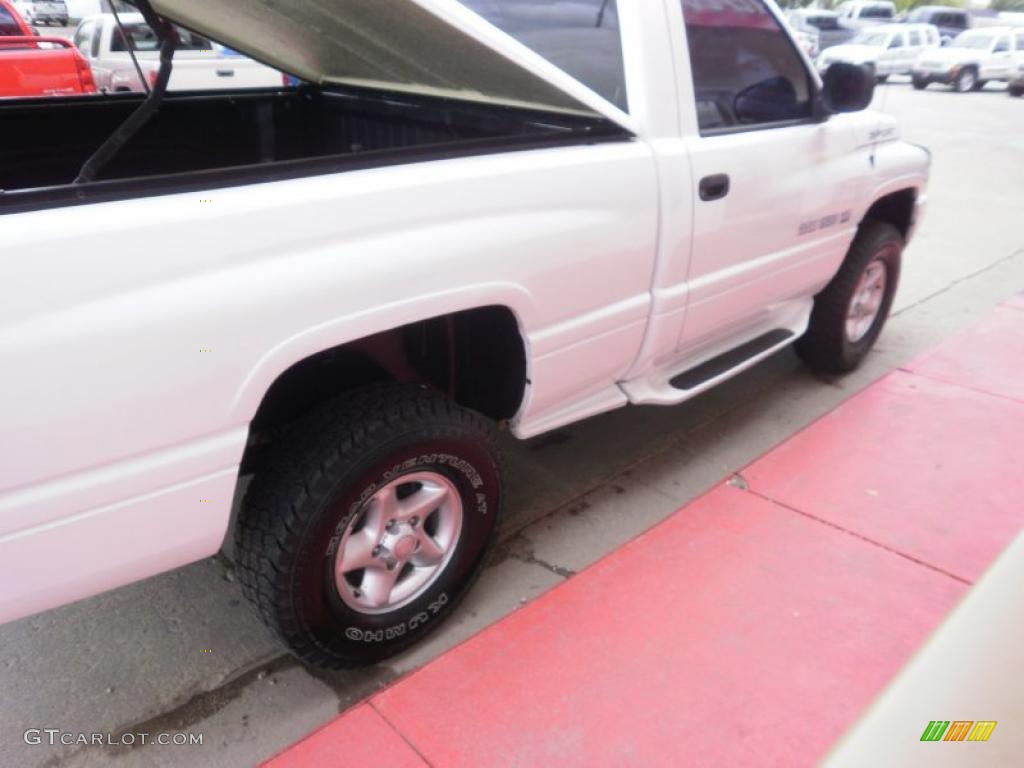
[199, 64]
[470, 216]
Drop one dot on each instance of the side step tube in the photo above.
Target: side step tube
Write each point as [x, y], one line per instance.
[691, 382]
[734, 358]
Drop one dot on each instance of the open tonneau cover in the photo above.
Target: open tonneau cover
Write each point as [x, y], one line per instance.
[425, 46]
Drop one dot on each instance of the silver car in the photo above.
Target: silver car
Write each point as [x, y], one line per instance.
[43, 11]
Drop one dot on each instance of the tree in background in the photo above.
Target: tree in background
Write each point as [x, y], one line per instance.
[1007, 5]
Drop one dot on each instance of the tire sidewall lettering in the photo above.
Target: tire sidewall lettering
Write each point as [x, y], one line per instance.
[395, 631]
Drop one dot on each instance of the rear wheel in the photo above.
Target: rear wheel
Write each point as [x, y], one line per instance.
[850, 312]
[882, 78]
[1016, 90]
[371, 522]
[919, 83]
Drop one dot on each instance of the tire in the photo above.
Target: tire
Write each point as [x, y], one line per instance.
[919, 83]
[323, 496]
[966, 80]
[1016, 90]
[828, 345]
[882, 78]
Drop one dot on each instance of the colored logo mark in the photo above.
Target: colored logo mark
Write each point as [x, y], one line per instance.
[958, 730]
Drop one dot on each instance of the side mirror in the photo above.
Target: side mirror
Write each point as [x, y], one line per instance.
[848, 87]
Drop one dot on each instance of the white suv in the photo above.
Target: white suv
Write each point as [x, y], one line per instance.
[889, 49]
[973, 58]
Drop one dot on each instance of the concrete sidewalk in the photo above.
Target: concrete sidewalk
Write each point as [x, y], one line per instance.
[755, 624]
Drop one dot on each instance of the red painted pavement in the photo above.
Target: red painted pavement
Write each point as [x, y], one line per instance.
[987, 356]
[751, 627]
[360, 737]
[929, 469]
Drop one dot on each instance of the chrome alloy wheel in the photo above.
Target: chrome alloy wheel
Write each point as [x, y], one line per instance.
[398, 543]
[966, 81]
[867, 301]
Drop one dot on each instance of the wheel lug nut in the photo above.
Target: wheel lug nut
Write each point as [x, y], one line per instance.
[376, 551]
[414, 521]
[391, 565]
[357, 593]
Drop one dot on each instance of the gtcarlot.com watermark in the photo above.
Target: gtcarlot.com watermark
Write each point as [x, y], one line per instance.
[53, 736]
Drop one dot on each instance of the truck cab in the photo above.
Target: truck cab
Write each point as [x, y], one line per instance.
[949, 21]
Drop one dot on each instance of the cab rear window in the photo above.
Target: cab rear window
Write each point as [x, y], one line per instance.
[581, 37]
[8, 26]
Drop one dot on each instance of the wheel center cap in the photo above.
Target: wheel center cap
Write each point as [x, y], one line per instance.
[404, 547]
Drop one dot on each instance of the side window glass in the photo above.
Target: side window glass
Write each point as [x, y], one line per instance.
[1002, 45]
[915, 37]
[581, 37]
[896, 41]
[746, 71]
[8, 26]
[1020, 41]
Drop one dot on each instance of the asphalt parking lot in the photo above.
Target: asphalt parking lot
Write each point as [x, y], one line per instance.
[183, 653]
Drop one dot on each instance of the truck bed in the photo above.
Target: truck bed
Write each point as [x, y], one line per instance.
[26, 70]
[202, 140]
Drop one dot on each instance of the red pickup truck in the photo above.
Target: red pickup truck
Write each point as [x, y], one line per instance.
[38, 66]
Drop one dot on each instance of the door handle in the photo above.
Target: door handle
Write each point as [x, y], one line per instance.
[714, 187]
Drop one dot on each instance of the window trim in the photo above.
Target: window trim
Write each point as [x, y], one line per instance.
[728, 130]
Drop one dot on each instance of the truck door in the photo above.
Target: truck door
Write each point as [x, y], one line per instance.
[997, 65]
[891, 57]
[774, 185]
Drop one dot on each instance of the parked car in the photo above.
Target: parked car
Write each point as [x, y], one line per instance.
[326, 300]
[199, 64]
[974, 58]
[43, 11]
[1015, 87]
[888, 49]
[824, 25]
[857, 14]
[31, 65]
[949, 21]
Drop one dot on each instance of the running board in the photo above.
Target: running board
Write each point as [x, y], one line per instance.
[670, 388]
[733, 359]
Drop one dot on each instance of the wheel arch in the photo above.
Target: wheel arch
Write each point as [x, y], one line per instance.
[477, 356]
[896, 207]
